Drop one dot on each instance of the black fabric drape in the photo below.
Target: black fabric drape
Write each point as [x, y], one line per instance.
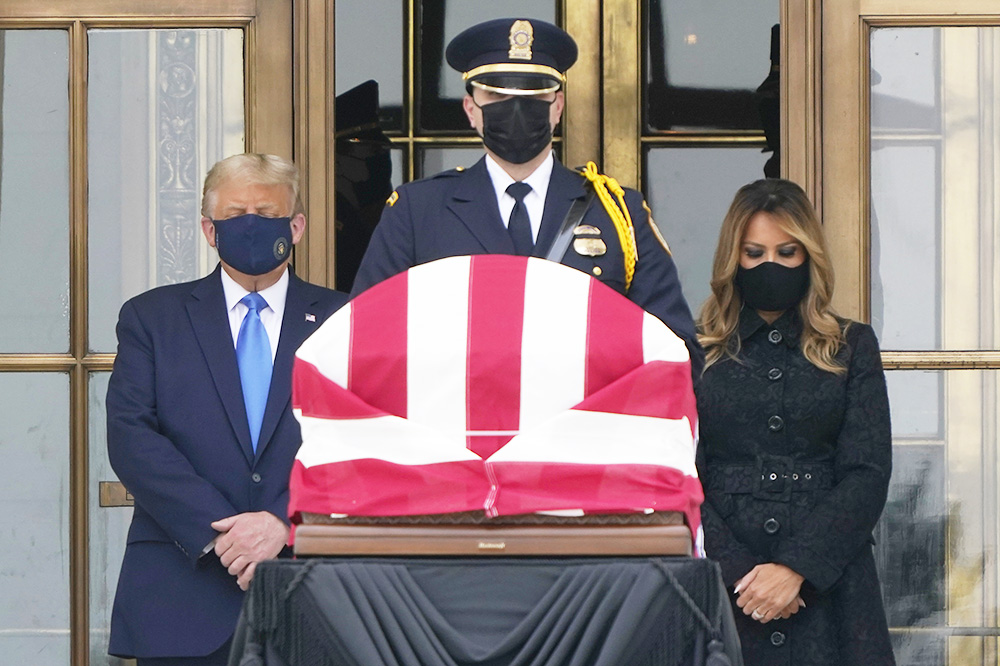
[461, 612]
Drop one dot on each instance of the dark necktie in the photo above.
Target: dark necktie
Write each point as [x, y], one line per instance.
[253, 354]
[519, 225]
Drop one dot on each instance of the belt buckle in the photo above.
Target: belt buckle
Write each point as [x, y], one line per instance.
[772, 480]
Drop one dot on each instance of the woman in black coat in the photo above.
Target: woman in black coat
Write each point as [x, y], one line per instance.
[795, 449]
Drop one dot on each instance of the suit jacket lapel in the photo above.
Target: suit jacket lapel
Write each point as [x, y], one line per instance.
[474, 202]
[294, 330]
[565, 185]
[207, 311]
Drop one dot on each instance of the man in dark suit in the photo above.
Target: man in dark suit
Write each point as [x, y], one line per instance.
[518, 199]
[200, 427]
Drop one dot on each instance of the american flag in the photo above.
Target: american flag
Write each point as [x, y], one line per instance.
[503, 384]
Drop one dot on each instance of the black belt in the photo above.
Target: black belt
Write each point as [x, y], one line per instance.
[771, 478]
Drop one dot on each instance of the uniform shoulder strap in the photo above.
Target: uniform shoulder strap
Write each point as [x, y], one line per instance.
[565, 235]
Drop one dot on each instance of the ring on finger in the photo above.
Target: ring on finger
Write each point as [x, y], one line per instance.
[757, 615]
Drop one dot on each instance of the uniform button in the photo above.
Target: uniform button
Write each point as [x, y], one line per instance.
[255, 477]
[775, 423]
[774, 336]
[777, 639]
[771, 526]
[597, 271]
[774, 374]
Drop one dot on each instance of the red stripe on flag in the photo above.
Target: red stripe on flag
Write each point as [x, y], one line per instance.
[370, 487]
[659, 389]
[496, 320]
[526, 487]
[614, 337]
[318, 396]
[377, 371]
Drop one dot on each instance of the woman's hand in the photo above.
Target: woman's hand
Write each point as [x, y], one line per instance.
[791, 609]
[769, 591]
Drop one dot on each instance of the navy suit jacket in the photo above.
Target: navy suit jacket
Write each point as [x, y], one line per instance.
[178, 439]
[456, 213]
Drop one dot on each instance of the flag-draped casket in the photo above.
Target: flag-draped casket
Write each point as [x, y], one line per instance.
[502, 384]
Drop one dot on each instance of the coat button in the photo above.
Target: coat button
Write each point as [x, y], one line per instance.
[775, 423]
[777, 639]
[771, 526]
[255, 477]
[774, 374]
[774, 336]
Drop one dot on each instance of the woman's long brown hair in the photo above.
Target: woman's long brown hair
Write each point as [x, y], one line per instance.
[822, 335]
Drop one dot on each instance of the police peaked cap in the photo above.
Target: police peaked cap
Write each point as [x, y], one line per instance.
[513, 56]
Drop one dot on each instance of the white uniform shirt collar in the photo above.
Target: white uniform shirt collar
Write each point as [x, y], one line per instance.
[534, 201]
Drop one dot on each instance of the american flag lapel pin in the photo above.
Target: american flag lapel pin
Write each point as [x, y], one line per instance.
[310, 317]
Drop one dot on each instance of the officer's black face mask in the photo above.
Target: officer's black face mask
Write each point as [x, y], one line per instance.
[517, 129]
[772, 287]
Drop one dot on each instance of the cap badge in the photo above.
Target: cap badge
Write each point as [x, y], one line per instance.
[521, 37]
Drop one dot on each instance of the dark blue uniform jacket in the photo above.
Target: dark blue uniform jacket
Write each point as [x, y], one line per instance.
[456, 213]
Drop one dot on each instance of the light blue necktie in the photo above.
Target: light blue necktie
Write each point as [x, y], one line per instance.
[253, 353]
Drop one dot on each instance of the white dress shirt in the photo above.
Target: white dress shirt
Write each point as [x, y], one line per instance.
[270, 316]
[534, 201]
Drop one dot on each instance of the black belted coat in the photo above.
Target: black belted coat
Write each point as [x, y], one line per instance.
[795, 462]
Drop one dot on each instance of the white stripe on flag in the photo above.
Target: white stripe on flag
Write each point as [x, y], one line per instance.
[659, 343]
[329, 347]
[437, 342]
[553, 341]
[601, 438]
[388, 438]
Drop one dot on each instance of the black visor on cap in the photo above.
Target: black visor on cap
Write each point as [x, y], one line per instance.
[528, 82]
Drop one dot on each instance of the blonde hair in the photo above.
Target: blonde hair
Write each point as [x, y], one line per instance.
[822, 333]
[251, 169]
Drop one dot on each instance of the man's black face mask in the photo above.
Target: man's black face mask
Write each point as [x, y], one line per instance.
[517, 129]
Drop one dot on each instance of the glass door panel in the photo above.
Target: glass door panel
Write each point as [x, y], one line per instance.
[34, 191]
[163, 107]
[710, 119]
[705, 62]
[364, 26]
[34, 518]
[934, 187]
[938, 533]
[933, 241]
[690, 190]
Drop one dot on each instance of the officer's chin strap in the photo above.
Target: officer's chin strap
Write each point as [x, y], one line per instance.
[619, 215]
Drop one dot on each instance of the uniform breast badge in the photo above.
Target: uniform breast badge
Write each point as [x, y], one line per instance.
[590, 247]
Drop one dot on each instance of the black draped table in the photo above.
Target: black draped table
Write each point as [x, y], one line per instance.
[633, 611]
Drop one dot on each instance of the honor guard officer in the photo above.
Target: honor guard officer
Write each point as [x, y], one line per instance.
[518, 199]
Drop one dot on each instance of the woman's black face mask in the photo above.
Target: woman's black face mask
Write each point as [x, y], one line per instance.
[517, 129]
[771, 287]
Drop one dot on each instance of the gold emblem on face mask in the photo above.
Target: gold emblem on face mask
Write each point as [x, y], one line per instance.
[521, 37]
[590, 247]
[280, 249]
